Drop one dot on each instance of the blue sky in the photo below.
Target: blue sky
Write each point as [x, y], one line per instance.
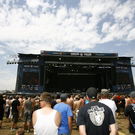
[28, 26]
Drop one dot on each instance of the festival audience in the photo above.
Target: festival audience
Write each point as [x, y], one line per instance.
[2, 109]
[66, 106]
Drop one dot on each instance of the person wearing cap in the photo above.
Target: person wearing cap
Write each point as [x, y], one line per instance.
[66, 116]
[95, 118]
[46, 120]
[110, 103]
[130, 112]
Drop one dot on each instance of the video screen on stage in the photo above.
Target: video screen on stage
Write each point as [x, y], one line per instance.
[30, 78]
[123, 78]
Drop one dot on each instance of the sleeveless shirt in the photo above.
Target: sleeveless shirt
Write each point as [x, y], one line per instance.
[45, 124]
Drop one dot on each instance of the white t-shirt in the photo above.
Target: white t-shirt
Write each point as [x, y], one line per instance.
[111, 104]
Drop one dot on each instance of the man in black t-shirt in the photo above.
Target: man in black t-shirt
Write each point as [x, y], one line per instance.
[130, 112]
[95, 118]
[15, 112]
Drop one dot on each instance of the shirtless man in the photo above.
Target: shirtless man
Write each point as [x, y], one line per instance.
[82, 100]
[77, 106]
[70, 101]
[128, 102]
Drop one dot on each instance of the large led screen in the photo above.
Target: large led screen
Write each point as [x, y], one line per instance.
[123, 78]
[30, 78]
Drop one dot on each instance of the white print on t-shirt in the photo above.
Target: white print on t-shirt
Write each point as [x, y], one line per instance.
[133, 109]
[96, 115]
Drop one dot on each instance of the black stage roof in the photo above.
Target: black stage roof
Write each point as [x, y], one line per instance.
[77, 63]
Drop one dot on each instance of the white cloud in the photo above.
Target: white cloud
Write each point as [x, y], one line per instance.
[98, 8]
[61, 14]
[34, 4]
[7, 82]
[105, 27]
[120, 44]
[2, 52]
[51, 28]
[125, 10]
[131, 35]
[7, 79]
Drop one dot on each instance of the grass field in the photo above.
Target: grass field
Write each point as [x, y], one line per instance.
[121, 122]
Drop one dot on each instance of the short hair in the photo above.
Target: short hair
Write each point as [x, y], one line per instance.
[69, 95]
[17, 97]
[46, 96]
[105, 96]
[58, 96]
[20, 131]
[20, 96]
[26, 97]
[122, 97]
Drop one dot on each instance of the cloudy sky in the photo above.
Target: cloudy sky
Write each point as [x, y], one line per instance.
[28, 26]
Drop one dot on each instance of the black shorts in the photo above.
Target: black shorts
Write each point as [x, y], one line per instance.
[1, 115]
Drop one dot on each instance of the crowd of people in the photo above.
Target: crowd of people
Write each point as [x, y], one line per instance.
[53, 114]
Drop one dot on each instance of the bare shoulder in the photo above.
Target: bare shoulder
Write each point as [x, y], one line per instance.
[58, 114]
[57, 118]
[34, 118]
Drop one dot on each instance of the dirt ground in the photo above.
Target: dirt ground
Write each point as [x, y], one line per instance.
[121, 122]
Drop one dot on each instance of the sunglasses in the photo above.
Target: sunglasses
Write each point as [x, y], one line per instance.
[41, 100]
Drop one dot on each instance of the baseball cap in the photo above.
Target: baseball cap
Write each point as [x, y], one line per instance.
[132, 94]
[63, 97]
[104, 91]
[92, 92]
